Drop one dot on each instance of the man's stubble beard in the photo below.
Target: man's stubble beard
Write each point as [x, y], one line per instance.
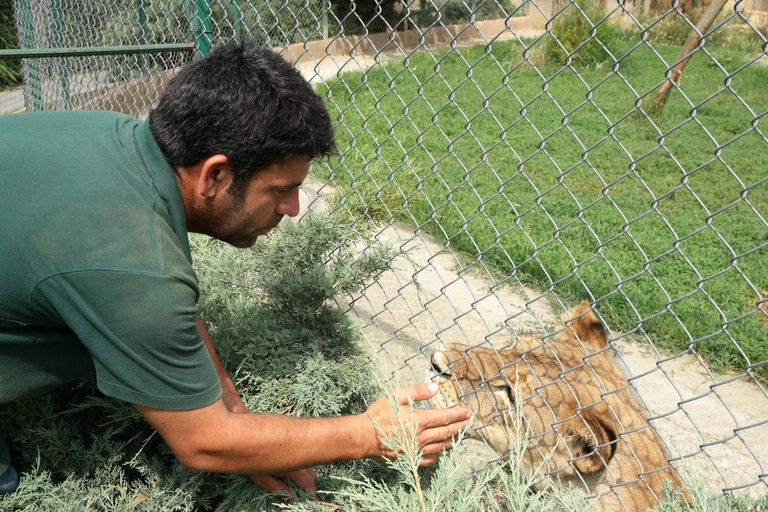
[244, 237]
[240, 234]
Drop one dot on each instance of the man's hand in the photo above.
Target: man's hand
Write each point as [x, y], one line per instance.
[304, 478]
[435, 430]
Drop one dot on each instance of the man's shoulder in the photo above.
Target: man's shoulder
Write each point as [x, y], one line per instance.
[30, 127]
[51, 140]
[83, 198]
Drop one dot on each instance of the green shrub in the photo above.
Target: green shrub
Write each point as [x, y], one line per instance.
[574, 30]
[454, 11]
[286, 344]
[275, 326]
[271, 22]
[673, 29]
[460, 11]
[699, 499]
[367, 16]
[491, 10]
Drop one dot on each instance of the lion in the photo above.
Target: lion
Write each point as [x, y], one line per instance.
[583, 426]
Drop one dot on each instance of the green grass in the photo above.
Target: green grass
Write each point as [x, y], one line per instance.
[577, 196]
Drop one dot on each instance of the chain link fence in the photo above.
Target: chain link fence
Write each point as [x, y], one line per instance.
[521, 153]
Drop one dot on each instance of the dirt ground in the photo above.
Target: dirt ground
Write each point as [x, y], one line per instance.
[715, 426]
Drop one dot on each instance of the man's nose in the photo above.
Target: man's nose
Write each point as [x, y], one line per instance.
[289, 203]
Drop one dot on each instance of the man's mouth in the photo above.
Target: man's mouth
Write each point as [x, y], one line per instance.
[274, 224]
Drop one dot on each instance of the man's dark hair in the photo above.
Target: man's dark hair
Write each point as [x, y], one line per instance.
[243, 101]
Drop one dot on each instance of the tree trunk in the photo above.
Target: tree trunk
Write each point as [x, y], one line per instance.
[685, 54]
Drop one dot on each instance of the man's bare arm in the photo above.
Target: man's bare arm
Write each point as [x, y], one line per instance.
[229, 394]
[214, 439]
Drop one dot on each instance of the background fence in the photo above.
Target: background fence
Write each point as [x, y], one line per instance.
[514, 148]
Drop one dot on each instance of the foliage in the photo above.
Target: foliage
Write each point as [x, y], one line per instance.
[700, 501]
[285, 341]
[291, 350]
[272, 22]
[519, 163]
[10, 69]
[673, 28]
[463, 11]
[579, 34]
[357, 17]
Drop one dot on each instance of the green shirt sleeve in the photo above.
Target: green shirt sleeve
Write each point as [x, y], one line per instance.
[141, 331]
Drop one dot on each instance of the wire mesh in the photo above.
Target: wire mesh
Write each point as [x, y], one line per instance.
[511, 148]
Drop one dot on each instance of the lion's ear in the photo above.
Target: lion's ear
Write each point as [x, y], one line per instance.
[583, 324]
[591, 439]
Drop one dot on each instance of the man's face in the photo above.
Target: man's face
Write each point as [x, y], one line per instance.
[272, 193]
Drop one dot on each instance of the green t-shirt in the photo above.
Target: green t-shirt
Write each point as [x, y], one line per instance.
[95, 268]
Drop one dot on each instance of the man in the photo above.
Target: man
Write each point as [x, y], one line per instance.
[96, 270]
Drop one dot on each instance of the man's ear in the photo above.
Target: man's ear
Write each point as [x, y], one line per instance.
[215, 176]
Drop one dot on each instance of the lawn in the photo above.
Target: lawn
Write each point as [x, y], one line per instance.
[553, 176]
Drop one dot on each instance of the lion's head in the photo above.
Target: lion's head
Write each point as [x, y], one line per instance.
[583, 425]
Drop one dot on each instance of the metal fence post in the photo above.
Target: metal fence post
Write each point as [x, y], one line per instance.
[237, 17]
[200, 25]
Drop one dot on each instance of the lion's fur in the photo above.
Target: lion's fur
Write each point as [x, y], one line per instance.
[576, 407]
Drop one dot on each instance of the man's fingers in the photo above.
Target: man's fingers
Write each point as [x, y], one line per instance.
[428, 460]
[272, 484]
[436, 448]
[304, 478]
[436, 428]
[416, 393]
[443, 417]
[441, 434]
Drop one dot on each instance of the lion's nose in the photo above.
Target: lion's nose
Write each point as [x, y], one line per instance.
[440, 363]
